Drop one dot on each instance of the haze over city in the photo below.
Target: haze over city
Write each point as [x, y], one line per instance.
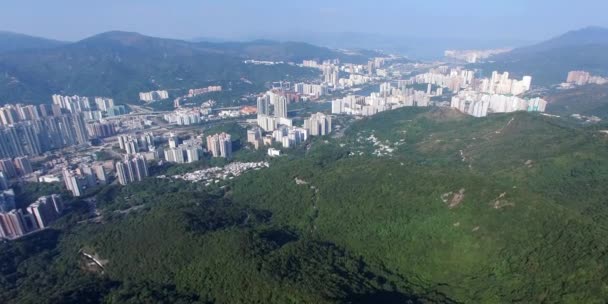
[526, 20]
[317, 152]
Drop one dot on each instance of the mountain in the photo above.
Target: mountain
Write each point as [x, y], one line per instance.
[581, 37]
[10, 41]
[589, 100]
[121, 64]
[415, 205]
[549, 62]
[421, 48]
[287, 51]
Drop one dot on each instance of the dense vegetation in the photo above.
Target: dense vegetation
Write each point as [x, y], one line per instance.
[412, 205]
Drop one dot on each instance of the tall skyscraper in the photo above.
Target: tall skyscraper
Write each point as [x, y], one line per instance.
[280, 107]
[263, 104]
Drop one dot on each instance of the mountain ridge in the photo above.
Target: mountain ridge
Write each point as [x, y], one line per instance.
[550, 61]
[11, 41]
[119, 64]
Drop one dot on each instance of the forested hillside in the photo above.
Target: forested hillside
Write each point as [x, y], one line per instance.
[410, 206]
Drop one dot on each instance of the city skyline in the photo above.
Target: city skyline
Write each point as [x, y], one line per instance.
[240, 20]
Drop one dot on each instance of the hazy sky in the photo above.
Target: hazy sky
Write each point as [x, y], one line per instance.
[484, 19]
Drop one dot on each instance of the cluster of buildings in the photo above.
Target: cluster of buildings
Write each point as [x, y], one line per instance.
[220, 145]
[480, 104]
[184, 116]
[472, 56]
[311, 90]
[580, 78]
[476, 96]
[137, 143]
[287, 135]
[318, 124]
[101, 129]
[187, 152]
[84, 177]
[153, 96]
[131, 169]
[388, 98]
[358, 75]
[457, 79]
[502, 84]
[269, 118]
[200, 91]
[33, 137]
[15, 223]
[214, 175]
[451, 79]
[18, 166]
[101, 107]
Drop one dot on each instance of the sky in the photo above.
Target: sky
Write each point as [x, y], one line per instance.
[72, 20]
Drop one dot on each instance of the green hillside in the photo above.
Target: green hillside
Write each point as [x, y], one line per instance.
[120, 65]
[410, 206]
[586, 100]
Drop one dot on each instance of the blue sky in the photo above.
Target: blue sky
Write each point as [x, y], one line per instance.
[185, 19]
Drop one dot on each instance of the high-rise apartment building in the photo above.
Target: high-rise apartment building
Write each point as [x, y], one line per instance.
[263, 104]
[318, 124]
[220, 145]
[153, 96]
[73, 182]
[104, 103]
[132, 169]
[7, 200]
[3, 181]
[23, 165]
[280, 107]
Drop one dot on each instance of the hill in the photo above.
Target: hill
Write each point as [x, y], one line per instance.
[10, 41]
[121, 64]
[590, 100]
[418, 205]
[549, 62]
[286, 51]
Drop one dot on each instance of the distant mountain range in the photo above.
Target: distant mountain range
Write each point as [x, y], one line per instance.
[550, 61]
[10, 41]
[120, 64]
[423, 48]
